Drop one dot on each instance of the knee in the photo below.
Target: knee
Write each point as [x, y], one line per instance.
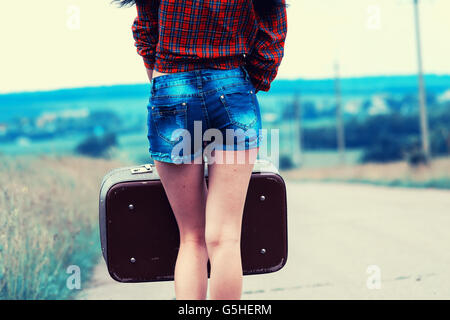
[197, 241]
[217, 240]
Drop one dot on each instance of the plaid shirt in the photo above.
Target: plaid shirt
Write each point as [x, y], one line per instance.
[176, 36]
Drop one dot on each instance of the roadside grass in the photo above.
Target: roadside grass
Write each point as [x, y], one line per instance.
[395, 174]
[48, 222]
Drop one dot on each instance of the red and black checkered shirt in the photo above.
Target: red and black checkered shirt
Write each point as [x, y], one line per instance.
[175, 36]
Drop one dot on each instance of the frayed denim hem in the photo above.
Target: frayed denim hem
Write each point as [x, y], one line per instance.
[253, 143]
[164, 157]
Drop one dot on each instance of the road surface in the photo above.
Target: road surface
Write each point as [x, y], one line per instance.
[346, 241]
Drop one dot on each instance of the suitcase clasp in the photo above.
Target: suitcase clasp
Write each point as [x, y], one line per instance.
[142, 169]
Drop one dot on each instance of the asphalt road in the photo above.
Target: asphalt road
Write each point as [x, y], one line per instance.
[346, 241]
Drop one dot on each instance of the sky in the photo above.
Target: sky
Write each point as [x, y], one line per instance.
[52, 44]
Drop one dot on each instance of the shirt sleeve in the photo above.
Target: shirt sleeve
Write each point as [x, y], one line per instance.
[145, 31]
[263, 62]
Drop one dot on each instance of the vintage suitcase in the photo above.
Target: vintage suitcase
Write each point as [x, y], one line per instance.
[139, 235]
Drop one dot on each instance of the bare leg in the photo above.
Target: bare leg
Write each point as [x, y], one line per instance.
[227, 191]
[186, 190]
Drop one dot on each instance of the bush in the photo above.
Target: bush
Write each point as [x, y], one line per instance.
[415, 155]
[94, 146]
[417, 158]
[286, 163]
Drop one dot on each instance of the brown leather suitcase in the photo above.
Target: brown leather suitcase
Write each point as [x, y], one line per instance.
[139, 235]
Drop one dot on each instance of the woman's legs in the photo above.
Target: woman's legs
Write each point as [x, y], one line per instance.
[219, 237]
[185, 188]
[227, 190]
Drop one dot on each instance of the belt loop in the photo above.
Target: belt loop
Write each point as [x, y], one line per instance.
[247, 76]
[152, 85]
[198, 74]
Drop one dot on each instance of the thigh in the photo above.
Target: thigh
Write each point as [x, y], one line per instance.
[185, 188]
[227, 190]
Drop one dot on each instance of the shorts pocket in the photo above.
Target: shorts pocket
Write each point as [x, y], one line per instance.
[168, 117]
[241, 107]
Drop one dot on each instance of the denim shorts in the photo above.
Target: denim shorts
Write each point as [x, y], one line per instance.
[191, 113]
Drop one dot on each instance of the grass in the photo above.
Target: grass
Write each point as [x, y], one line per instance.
[395, 174]
[48, 221]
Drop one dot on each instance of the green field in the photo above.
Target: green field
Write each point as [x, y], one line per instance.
[133, 148]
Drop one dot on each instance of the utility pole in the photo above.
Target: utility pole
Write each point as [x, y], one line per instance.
[297, 133]
[422, 96]
[339, 121]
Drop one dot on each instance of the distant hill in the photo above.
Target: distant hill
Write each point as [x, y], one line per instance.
[132, 97]
[363, 86]
[91, 93]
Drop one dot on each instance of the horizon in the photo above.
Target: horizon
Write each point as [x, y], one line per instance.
[276, 80]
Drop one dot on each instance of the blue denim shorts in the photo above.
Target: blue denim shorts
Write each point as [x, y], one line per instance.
[191, 113]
